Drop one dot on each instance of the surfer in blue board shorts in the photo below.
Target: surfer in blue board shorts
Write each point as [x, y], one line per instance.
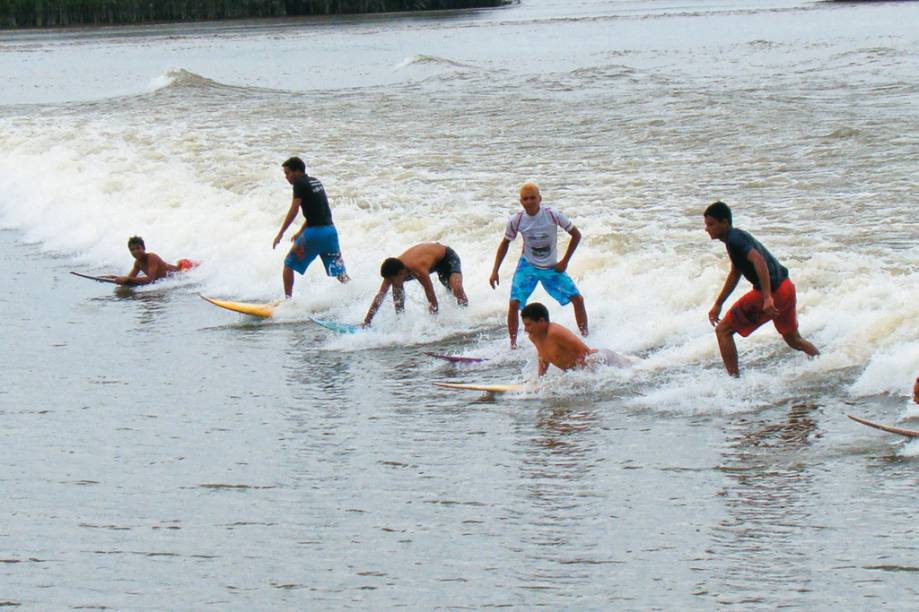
[318, 236]
[539, 261]
[418, 263]
[151, 264]
[558, 346]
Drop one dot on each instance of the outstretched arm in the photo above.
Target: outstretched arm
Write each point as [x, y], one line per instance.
[377, 300]
[291, 215]
[499, 257]
[729, 284]
[562, 265]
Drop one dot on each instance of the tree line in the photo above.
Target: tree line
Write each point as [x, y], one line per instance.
[57, 13]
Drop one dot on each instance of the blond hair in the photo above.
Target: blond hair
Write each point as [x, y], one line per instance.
[530, 188]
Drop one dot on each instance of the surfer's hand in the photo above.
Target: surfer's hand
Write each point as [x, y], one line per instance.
[493, 280]
[769, 307]
[277, 239]
[561, 266]
[295, 237]
[713, 317]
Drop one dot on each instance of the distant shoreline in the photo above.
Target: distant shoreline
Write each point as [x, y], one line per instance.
[53, 14]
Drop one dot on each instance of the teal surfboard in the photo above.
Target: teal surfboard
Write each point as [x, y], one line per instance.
[341, 328]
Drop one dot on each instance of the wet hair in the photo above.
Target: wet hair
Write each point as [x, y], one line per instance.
[529, 188]
[391, 267]
[720, 211]
[535, 312]
[294, 163]
[136, 240]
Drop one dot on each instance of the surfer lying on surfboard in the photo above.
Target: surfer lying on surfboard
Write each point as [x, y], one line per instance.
[151, 264]
[418, 263]
[561, 347]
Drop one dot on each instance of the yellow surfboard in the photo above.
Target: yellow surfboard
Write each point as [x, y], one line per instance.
[256, 310]
[485, 388]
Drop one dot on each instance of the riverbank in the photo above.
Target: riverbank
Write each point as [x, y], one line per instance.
[61, 13]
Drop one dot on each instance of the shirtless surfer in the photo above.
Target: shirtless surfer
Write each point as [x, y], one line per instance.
[771, 299]
[418, 263]
[151, 264]
[559, 346]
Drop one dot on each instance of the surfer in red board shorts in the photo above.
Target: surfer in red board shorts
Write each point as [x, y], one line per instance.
[771, 299]
[151, 264]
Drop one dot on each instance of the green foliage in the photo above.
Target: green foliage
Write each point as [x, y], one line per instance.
[53, 13]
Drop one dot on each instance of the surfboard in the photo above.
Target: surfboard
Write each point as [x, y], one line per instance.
[909, 433]
[455, 358]
[101, 279]
[485, 388]
[341, 328]
[256, 310]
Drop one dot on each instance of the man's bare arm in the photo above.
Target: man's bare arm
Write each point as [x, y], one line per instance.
[730, 283]
[575, 233]
[291, 215]
[499, 257]
[765, 284]
[425, 279]
[377, 300]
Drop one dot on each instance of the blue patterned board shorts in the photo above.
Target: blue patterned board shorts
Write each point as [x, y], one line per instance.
[321, 241]
[557, 284]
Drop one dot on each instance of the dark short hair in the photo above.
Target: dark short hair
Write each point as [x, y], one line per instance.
[295, 164]
[136, 240]
[391, 267]
[720, 211]
[535, 312]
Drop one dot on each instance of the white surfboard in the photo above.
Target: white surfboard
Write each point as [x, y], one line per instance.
[516, 388]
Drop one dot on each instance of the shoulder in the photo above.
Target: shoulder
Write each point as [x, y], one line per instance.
[556, 216]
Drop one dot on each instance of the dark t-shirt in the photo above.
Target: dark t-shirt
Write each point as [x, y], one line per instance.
[313, 202]
[739, 244]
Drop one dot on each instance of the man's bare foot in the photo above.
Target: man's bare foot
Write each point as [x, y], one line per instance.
[343, 278]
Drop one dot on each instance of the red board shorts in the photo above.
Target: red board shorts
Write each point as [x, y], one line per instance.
[746, 314]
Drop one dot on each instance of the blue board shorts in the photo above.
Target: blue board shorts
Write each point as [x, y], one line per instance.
[321, 241]
[557, 284]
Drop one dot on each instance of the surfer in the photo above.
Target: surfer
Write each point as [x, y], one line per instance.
[539, 261]
[418, 263]
[318, 236]
[771, 299]
[151, 264]
[916, 391]
[560, 347]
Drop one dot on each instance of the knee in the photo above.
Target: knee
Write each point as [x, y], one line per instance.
[723, 330]
[578, 300]
[513, 306]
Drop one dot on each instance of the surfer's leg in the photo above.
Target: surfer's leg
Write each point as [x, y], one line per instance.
[513, 322]
[795, 341]
[288, 277]
[456, 286]
[725, 334]
[580, 313]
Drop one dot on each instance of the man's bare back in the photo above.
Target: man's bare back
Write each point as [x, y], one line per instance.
[561, 348]
[421, 258]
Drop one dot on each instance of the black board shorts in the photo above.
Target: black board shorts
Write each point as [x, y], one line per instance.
[450, 264]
